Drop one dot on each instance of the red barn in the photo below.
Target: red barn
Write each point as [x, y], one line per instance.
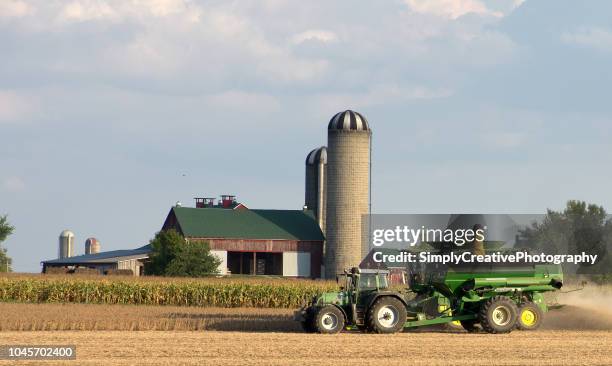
[257, 242]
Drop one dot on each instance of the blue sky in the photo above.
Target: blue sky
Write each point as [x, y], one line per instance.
[476, 106]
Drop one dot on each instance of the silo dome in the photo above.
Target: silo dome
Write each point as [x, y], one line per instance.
[66, 233]
[317, 156]
[348, 120]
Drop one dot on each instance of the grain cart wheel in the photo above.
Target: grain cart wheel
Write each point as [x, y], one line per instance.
[471, 326]
[529, 316]
[308, 322]
[498, 315]
[387, 315]
[328, 320]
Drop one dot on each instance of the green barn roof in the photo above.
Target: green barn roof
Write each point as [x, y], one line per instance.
[245, 224]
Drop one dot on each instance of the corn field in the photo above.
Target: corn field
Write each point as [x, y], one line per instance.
[206, 292]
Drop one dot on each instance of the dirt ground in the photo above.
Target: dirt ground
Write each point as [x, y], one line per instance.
[580, 333]
[271, 348]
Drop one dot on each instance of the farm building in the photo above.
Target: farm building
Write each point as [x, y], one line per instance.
[103, 262]
[254, 242]
[251, 241]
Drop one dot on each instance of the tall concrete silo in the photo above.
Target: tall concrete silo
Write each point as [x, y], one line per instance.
[66, 244]
[92, 246]
[316, 191]
[348, 190]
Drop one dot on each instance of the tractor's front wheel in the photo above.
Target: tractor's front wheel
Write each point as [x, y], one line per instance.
[386, 315]
[529, 316]
[328, 320]
[498, 315]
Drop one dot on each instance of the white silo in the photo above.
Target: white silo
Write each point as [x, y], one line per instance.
[348, 190]
[92, 246]
[316, 191]
[66, 244]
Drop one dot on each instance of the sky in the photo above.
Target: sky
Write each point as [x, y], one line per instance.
[112, 111]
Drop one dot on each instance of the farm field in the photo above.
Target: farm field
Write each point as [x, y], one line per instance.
[16, 316]
[578, 333]
[272, 348]
[86, 317]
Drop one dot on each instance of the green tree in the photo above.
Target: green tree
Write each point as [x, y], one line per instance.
[193, 260]
[163, 250]
[5, 230]
[580, 227]
[172, 255]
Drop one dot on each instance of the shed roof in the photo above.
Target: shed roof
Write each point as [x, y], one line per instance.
[102, 257]
[246, 224]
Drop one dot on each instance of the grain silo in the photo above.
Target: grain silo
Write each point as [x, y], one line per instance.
[92, 246]
[66, 244]
[348, 190]
[316, 191]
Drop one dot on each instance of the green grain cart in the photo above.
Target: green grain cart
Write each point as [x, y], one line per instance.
[494, 298]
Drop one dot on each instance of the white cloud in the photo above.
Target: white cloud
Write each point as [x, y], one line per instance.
[86, 10]
[14, 8]
[244, 101]
[315, 35]
[13, 184]
[380, 95]
[451, 9]
[124, 10]
[13, 106]
[597, 38]
[165, 7]
[504, 140]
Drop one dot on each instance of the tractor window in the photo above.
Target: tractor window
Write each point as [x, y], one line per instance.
[368, 281]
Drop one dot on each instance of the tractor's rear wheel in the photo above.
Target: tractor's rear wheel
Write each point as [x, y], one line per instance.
[529, 317]
[386, 315]
[498, 315]
[328, 320]
[471, 326]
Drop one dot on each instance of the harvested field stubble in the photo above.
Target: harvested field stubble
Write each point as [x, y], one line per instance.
[235, 348]
[51, 317]
[46, 317]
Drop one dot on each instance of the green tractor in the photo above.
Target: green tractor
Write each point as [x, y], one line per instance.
[496, 300]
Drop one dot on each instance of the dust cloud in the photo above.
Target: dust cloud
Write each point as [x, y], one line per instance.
[587, 309]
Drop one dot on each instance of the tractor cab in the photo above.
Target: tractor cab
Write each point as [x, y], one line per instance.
[358, 280]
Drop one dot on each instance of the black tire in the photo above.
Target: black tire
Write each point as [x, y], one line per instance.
[386, 315]
[308, 323]
[529, 316]
[471, 326]
[328, 320]
[498, 315]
